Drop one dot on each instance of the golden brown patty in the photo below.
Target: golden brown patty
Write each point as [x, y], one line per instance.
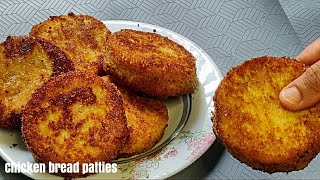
[75, 117]
[25, 63]
[81, 37]
[252, 124]
[147, 120]
[151, 64]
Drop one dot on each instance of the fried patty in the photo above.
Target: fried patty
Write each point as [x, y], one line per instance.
[81, 37]
[147, 120]
[252, 124]
[25, 64]
[75, 117]
[151, 64]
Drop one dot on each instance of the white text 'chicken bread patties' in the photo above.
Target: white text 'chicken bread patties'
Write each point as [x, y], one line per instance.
[75, 117]
[252, 124]
[147, 120]
[150, 63]
[82, 37]
[25, 64]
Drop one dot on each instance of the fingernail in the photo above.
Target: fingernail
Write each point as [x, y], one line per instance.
[292, 95]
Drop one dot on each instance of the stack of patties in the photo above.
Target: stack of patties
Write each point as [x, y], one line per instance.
[79, 116]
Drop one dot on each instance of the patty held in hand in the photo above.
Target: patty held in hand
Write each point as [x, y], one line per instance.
[25, 64]
[81, 37]
[150, 64]
[252, 124]
[75, 117]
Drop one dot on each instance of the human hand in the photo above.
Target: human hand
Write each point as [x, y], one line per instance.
[304, 91]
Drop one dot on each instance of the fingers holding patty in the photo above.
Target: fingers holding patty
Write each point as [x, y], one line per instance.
[303, 92]
[252, 124]
[311, 53]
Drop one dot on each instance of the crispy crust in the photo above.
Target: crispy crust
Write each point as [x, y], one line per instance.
[75, 117]
[82, 37]
[252, 124]
[25, 63]
[151, 64]
[147, 120]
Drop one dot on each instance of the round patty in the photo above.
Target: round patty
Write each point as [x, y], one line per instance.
[252, 124]
[151, 64]
[75, 117]
[81, 37]
[147, 120]
[25, 64]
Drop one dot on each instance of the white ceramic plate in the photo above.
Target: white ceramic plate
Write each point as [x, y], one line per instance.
[188, 135]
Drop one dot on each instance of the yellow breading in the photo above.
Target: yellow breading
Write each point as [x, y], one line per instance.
[75, 117]
[147, 120]
[151, 64]
[25, 64]
[252, 124]
[81, 37]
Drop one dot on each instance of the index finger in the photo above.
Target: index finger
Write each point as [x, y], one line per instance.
[311, 53]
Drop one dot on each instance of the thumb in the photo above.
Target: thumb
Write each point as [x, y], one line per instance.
[304, 91]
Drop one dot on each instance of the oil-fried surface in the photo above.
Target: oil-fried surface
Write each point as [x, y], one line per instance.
[252, 124]
[81, 37]
[75, 117]
[25, 64]
[147, 120]
[151, 64]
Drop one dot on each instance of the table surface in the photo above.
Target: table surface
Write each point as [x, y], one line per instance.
[229, 31]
